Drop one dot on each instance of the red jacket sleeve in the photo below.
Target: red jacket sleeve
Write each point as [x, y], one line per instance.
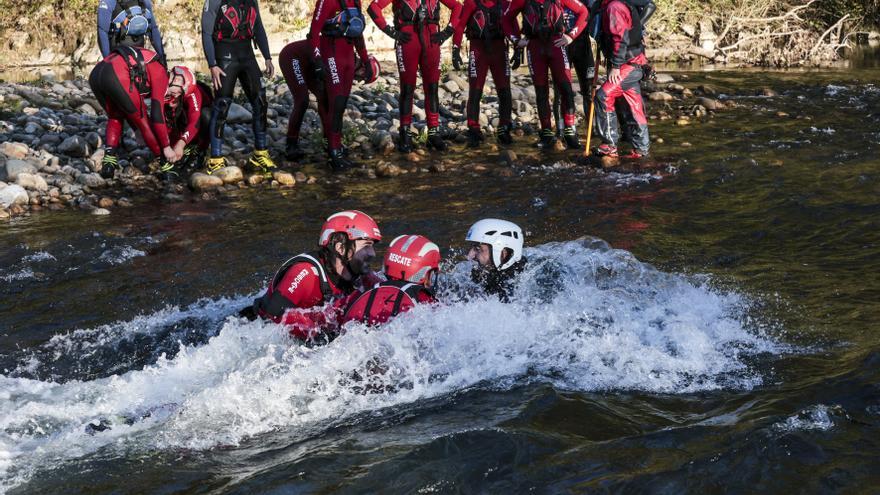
[509, 23]
[462, 21]
[375, 10]
[455, 7]
[616, 23]
[158, 86]
[425, 298]
[193, 104]
[361, 48]
[324, 10]
[301, 285]
[582, 16]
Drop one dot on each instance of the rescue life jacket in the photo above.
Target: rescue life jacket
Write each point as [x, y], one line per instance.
[416, 12]
[236, 20]
[543, 20]
[485, 22]
[131, 20]
[273, 304]
[136, 61]
[383, 302]
[348, 23]
[636, 44]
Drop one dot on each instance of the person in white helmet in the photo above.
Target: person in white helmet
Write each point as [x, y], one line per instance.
[497, 250]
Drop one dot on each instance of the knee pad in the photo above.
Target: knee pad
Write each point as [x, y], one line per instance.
[218, 116]
[260, 106]
[434, 100]
[339, 104]
[473, 104]
[406, 96]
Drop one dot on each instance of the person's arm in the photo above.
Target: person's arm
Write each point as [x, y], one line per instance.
[209, 20]
[462, 21]
[158, 86]
[105, 14]
[617, 22]
[323, 11]
[193, 104]
[155, 34]
[375, 9]
[361, 47]
[455, 7]
[647, 12]
[509, 22]
[578, 9]
[260, 35]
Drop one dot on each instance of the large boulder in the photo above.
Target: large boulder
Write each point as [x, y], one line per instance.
[32, 181]
[15, 167]
[13, 194]
[204, 182]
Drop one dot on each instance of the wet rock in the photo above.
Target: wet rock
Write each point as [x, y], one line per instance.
[609, 161]
[32, 181]
[678, 88]
[74, 146]
[91, 180]
[4, 214]
[388, 170]
[13, 194]
[508, 157]
[105, 202]
[769, 92]
[682, 121]
[300, 177]
[686, 144]
[709, 103]
[14, 150]
[204, 182]
[100, 211]
[284, 178]
[124, 203]
[663, 78]
[707, 90]
[660, 96]
[94, 140]
[255, 180]
[238, 114]
[230, 175]
[15, 167]
[86, 109]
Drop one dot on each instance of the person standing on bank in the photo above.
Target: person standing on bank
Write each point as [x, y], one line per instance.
[127, 23]
[228, 29]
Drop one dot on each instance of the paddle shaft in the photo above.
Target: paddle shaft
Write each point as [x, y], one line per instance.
[593, 89]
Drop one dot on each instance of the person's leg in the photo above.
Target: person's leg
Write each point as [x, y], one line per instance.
[227, 61]
[340, 62]
[606, 118]
[114, 99]
[429, 64]
[638, 121]
[477, 69]
[560, 68]
[251, 78]
[407, 65]
[294, 69]
[538, 66]
[497, 63]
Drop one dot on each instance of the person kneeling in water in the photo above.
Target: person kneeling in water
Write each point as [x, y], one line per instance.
[300, 291]
[496, 247]
[411, 266]
[188, 115]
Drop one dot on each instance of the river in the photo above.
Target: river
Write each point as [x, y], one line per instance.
[708, 325]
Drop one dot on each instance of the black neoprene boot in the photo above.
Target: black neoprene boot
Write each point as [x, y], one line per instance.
[338, 162]
[474, 137]
[405, 144]
[435, 141]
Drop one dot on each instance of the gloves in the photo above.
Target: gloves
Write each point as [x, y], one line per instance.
[456, 58]
[516, 59]
[400, 36]
[441, 36]
[368, 69]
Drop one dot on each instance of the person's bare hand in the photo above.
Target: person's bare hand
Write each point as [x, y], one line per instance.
[564, 40]
[216, 75]
[614, 75]
[178, 150]
[169, 154]
[270, 69]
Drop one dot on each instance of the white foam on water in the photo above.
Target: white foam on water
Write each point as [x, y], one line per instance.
[834, 90]
[23, 274]
[39, 256]
[584, 318]
[814, 418]
[120, 254]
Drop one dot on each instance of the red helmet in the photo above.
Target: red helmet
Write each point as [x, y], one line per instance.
[359, 69]
[412, 258]
[189, 79]
[355, 224]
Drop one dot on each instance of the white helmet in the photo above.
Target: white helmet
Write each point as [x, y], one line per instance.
[499, 234]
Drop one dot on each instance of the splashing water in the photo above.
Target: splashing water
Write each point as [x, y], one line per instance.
[584, 317]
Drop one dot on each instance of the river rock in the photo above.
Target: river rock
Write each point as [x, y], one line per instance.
[74, 146]
[707, 90]
[386, 169]
[4, 214]
[660, 96]
[204, 182]
[284, 178]
[32, 181]
[13, 194]
[105, 202]
[709, 103]
[94, 140]
[91, 180]
[100, 211]
[14, 150]
[678, 88]
[238, 114]
[663, 78]
[15, 167]
[86, 109]
[451, 86]
[255, 179]
[508, 157]
[770, 92]
[230, 175]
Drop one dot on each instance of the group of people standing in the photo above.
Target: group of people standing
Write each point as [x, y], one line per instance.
[185, 119]
[315, 294]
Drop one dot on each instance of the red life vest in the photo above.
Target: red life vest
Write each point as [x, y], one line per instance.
[273, 304]
[416, 12]
[485, 22]
[543, 20]
[236, 20]
[381, 303]
[136, 59]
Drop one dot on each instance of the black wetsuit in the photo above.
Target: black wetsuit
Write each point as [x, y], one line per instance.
[229, 47]
[500, 283]
[109, 38]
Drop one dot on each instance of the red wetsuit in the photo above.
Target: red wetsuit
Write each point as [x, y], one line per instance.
[481, 21]
[621, 43]
[124, 99]
[385, 301]
[543, 55]
[189, 119]
[419, 53]
[306, 298]
[296, 64]
[337, 54]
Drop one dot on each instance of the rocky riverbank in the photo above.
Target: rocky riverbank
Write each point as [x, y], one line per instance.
[52, 132]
